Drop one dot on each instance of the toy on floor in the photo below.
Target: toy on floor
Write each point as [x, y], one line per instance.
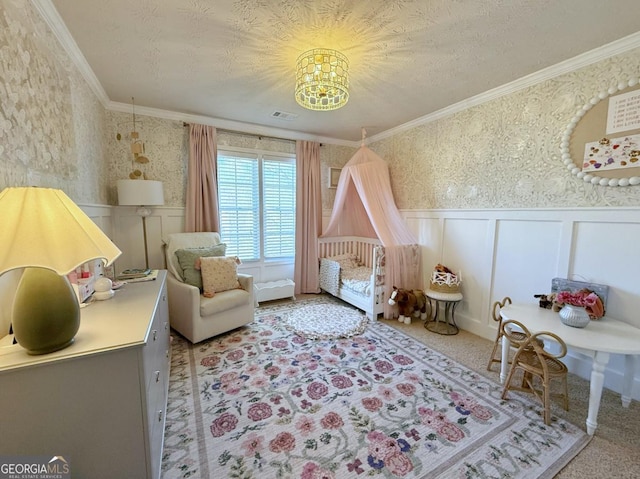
[410, 303]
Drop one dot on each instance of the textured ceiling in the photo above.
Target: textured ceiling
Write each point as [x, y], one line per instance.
[235, 59]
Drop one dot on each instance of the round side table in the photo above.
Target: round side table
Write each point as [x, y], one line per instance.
[449, 301]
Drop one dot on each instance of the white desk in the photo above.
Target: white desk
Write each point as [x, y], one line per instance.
[598, 340]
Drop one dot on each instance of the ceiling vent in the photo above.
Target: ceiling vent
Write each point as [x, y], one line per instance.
[283, 115]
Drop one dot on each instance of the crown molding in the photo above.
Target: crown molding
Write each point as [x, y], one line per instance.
[240, 127]
[52, 18]
[601, 53]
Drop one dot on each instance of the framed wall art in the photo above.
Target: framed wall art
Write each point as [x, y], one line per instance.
[334, 176]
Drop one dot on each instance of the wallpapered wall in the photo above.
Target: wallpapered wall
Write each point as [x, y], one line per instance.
[506, 153]
[501, 154]
[51, 123]
[167, 147]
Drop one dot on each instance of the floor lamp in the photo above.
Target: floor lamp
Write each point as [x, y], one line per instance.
[141, 193]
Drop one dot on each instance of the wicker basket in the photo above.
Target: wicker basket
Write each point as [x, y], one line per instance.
[444, 282]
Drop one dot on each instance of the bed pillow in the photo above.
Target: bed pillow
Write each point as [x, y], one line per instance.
[347, 261]
[189, 262]
[219, 274]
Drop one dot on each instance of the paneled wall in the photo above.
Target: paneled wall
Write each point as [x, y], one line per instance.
[500, 252]
[502, 154]
[516, 253]
[162, 222]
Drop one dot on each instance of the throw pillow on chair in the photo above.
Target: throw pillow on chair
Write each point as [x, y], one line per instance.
[219, 274]
[188, 259]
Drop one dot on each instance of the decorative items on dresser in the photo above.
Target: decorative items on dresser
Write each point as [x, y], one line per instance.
[100, 403]
[47, 236]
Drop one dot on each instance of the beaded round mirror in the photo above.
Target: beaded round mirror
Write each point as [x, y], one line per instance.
[601, 145]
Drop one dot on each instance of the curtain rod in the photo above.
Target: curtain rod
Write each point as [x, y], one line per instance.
[260, 137]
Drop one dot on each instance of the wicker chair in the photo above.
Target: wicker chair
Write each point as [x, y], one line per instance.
[495, 312]
[538, 366]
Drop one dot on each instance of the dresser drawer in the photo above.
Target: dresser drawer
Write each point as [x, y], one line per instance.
[155, 352]
[106, 381]
[156, 391]
[155, 367]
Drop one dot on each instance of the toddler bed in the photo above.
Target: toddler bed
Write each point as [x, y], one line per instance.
[352, 269]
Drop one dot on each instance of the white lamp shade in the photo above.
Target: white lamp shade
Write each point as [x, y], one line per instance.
[140, 193]
[42, 227]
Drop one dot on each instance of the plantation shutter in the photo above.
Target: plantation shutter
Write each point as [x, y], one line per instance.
[256, 201]
[239, 205]
[279, 206]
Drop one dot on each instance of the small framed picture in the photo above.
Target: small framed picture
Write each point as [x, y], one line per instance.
[334, 176]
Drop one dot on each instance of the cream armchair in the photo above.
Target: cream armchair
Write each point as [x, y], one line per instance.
[191, 314]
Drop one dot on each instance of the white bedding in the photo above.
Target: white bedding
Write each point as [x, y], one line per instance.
[345, 271]
[349, 276]
[348, 272]
[357, 279]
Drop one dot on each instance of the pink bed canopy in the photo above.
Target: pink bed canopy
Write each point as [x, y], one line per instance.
[364, 206]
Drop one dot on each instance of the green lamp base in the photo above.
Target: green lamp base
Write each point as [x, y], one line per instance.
[46, 313]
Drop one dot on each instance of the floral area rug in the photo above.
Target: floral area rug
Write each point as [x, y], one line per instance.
[262, 402]
[325, 321]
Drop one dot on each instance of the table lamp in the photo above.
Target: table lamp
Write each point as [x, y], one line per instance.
[141, 193]
[48, 235]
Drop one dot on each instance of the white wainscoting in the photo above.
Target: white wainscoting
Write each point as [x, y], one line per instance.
[503, 252]
[162, 222]
[130, 239]
[516, 253]
[100, 214]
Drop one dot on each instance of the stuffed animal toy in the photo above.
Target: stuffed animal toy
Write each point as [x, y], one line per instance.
[410, 303]
[420, 308]
[548, 301]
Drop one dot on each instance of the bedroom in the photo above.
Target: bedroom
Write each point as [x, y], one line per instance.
[510, 218]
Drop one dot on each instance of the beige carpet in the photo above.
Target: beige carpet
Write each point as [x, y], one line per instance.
[614, 451]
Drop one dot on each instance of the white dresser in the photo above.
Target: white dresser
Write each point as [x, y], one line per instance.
[100, 403]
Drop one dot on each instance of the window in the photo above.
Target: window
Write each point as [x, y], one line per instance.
[256, 198]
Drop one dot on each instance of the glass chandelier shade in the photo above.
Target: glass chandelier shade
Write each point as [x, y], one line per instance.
[322, 80]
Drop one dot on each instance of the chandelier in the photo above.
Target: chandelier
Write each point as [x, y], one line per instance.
[322, 79]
